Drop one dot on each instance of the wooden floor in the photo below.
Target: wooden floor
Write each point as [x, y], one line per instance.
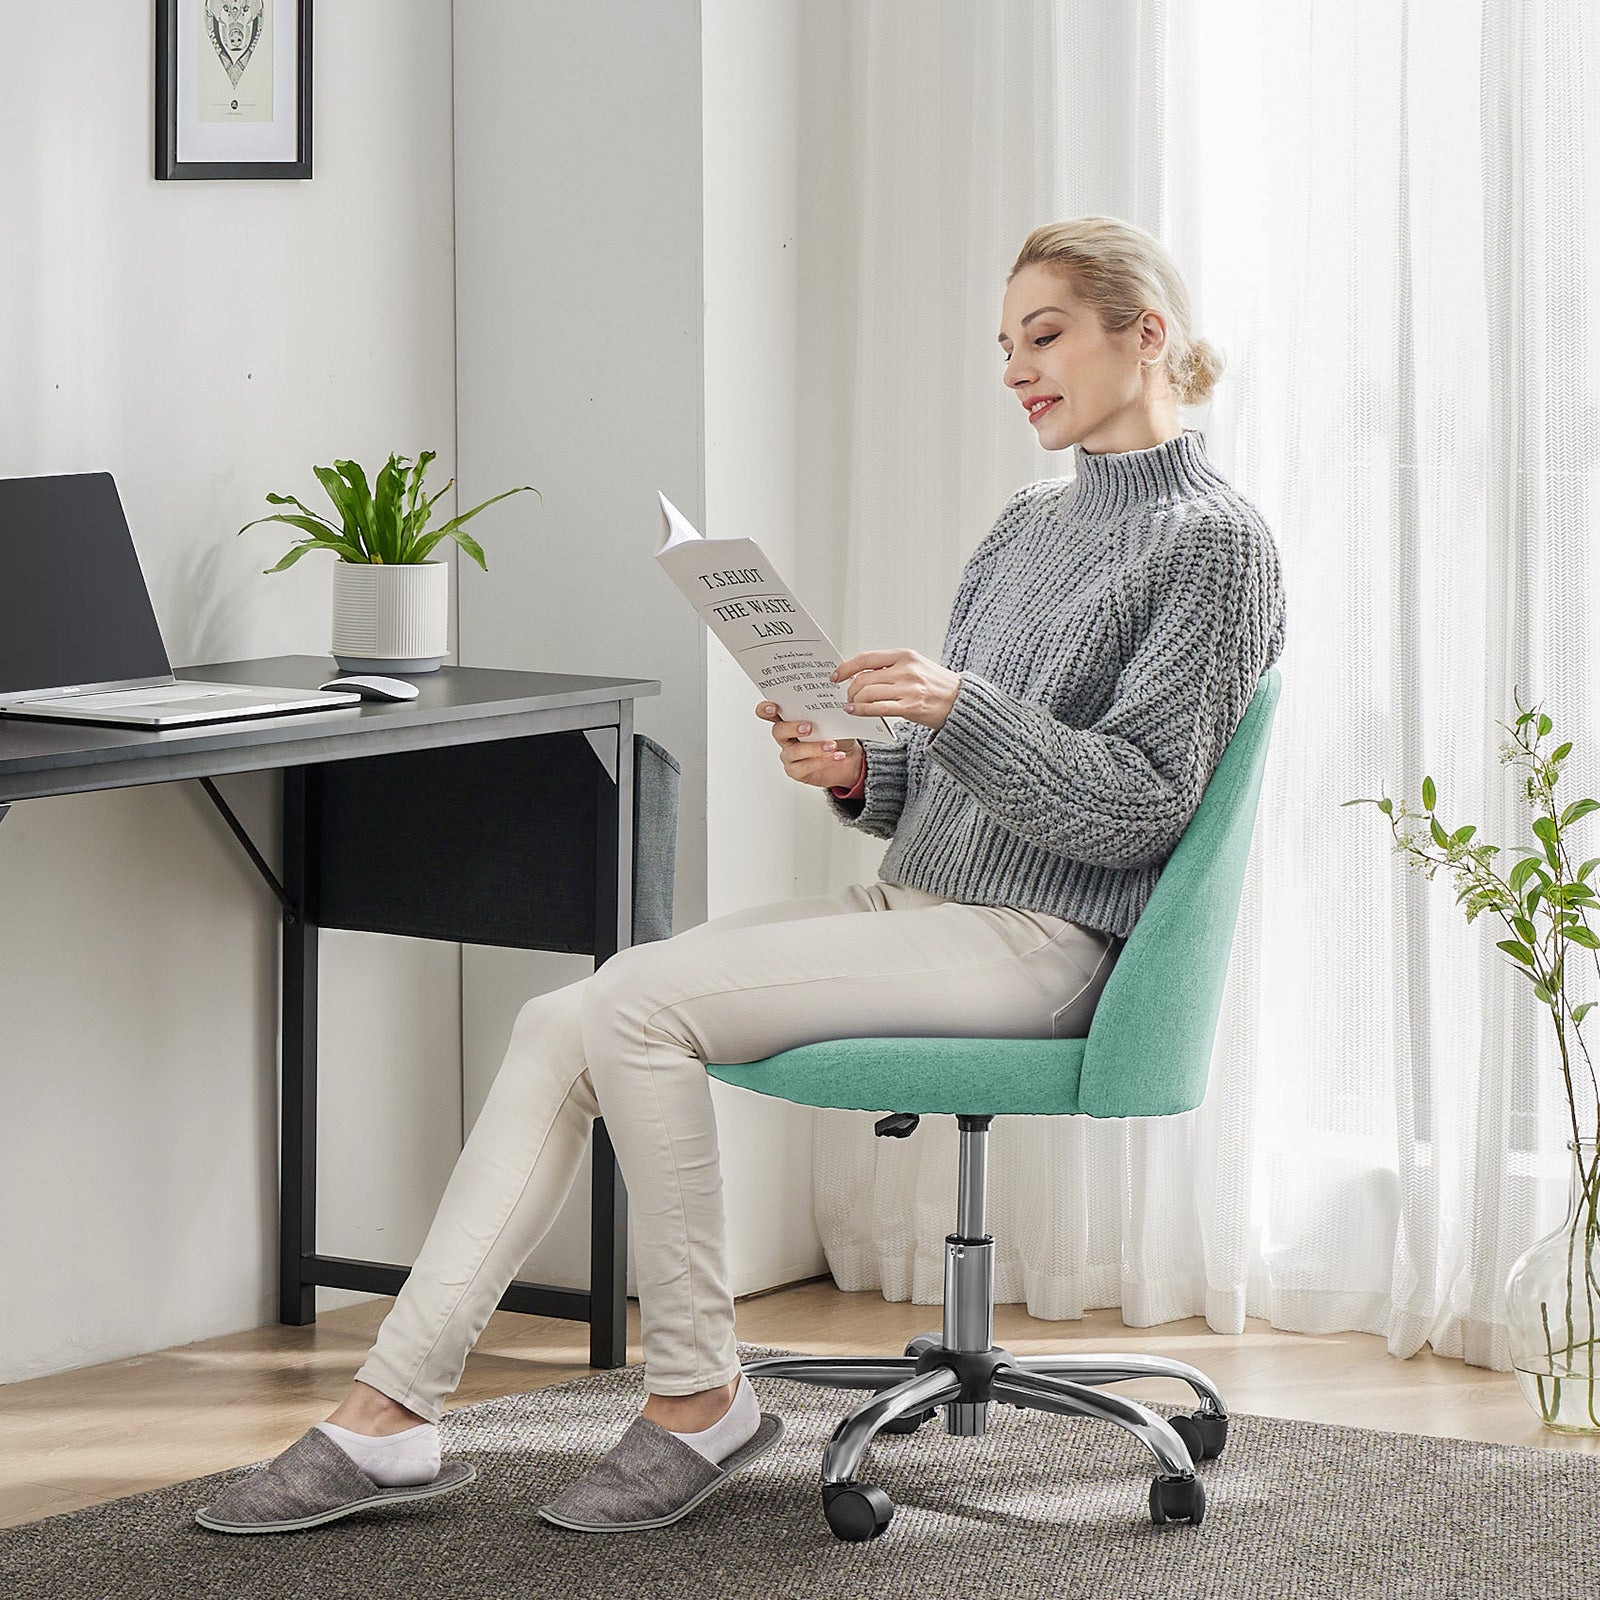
[83, 1437]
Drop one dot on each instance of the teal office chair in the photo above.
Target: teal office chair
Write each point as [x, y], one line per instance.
[1147, 1055]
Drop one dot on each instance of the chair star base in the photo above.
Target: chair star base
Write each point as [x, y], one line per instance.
[963, 1371]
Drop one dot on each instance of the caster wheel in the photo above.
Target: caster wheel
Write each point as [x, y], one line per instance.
[1177, 1500]
[922, 1344]
[856, 1511]
[906, 1424]
[1204, 1433]
[1188, 1430]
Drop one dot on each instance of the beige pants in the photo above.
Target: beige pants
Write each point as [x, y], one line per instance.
[629, 1043]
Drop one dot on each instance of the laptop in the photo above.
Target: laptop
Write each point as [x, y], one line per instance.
[78, 636]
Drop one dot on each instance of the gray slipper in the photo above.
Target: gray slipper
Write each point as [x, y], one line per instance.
[313, 1481]
[649, 1478]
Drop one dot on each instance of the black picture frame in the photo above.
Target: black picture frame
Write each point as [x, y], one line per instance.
[169, 164]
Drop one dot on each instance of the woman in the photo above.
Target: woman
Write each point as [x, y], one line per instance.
[1105, 640]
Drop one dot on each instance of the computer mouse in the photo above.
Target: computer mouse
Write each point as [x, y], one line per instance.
[375, 687]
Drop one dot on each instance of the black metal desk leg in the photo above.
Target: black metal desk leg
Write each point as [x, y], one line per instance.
[297, 1183]
[608, 1216]
[608, 1255]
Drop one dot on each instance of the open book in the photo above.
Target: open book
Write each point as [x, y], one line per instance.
[751, 610]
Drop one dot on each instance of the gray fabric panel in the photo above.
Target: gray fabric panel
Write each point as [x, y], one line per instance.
[656, 776]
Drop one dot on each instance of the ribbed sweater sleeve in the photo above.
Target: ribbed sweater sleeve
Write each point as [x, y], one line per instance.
[885, 794]
[1120, 792]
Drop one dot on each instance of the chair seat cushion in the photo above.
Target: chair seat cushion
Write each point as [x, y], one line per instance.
[970, 1077]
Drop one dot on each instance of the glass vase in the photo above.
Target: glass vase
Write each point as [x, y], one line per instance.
[1553, 1302]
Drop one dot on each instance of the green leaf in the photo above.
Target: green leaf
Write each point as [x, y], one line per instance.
[1386, 807]
[344, 502]
[1578, 808]
[470, 545]
[450, 529]
[416, 507]
[1518, 952]
[434, 499]
[1526, 929]
[1520, 872]
[299, 550]
[300, 505]
[1545, 725]
[1561, 751]
[1579, 1012]
[1543, 994]
[1429, 794]
[360, 499]
[419, 472]
[387, 517]
[1584, 937]
[1440, 837]
[321, 534]
[467, 516]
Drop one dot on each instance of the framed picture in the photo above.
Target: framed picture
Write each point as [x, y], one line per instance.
[233, 88]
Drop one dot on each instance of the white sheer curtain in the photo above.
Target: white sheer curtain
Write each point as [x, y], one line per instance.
[1386, 213]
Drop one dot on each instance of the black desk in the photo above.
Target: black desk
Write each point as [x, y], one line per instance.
[496, 808]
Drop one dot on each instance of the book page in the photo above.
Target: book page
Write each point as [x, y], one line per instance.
[744, 602]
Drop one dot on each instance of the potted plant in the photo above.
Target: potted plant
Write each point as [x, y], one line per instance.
[1553, 1290]
[391, 603]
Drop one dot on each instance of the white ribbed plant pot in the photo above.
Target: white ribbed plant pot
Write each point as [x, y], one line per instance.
[390, 618]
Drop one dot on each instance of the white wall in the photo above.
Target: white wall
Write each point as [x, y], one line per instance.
[580, 371]
[753, 250]
[595, 362]
[207, 342]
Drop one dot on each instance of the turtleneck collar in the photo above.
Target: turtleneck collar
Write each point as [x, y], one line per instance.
[1115, 480]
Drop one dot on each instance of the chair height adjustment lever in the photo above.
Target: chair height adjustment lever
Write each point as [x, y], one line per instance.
[899, 1126]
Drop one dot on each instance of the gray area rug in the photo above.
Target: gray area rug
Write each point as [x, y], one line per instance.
[1039, 1506]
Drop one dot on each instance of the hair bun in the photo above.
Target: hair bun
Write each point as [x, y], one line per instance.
[1200, 373]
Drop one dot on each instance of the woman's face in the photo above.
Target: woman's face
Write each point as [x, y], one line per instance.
[1056, 351]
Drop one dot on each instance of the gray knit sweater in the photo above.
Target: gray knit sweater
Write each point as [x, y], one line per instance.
[1109, 632]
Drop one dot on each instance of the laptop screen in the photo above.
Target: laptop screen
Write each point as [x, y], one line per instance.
[74, 608]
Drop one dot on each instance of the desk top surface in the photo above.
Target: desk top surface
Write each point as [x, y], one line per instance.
[456, 705]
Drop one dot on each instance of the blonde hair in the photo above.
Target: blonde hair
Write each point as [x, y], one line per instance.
[1121, 272]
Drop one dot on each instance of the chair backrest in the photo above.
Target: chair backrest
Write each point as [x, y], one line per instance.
[1149, 1046]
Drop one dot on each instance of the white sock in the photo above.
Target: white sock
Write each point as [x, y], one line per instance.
[410, 1456]
[737, 1426]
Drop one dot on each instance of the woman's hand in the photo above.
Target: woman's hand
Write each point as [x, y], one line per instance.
[899, 683]
[820, 762]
